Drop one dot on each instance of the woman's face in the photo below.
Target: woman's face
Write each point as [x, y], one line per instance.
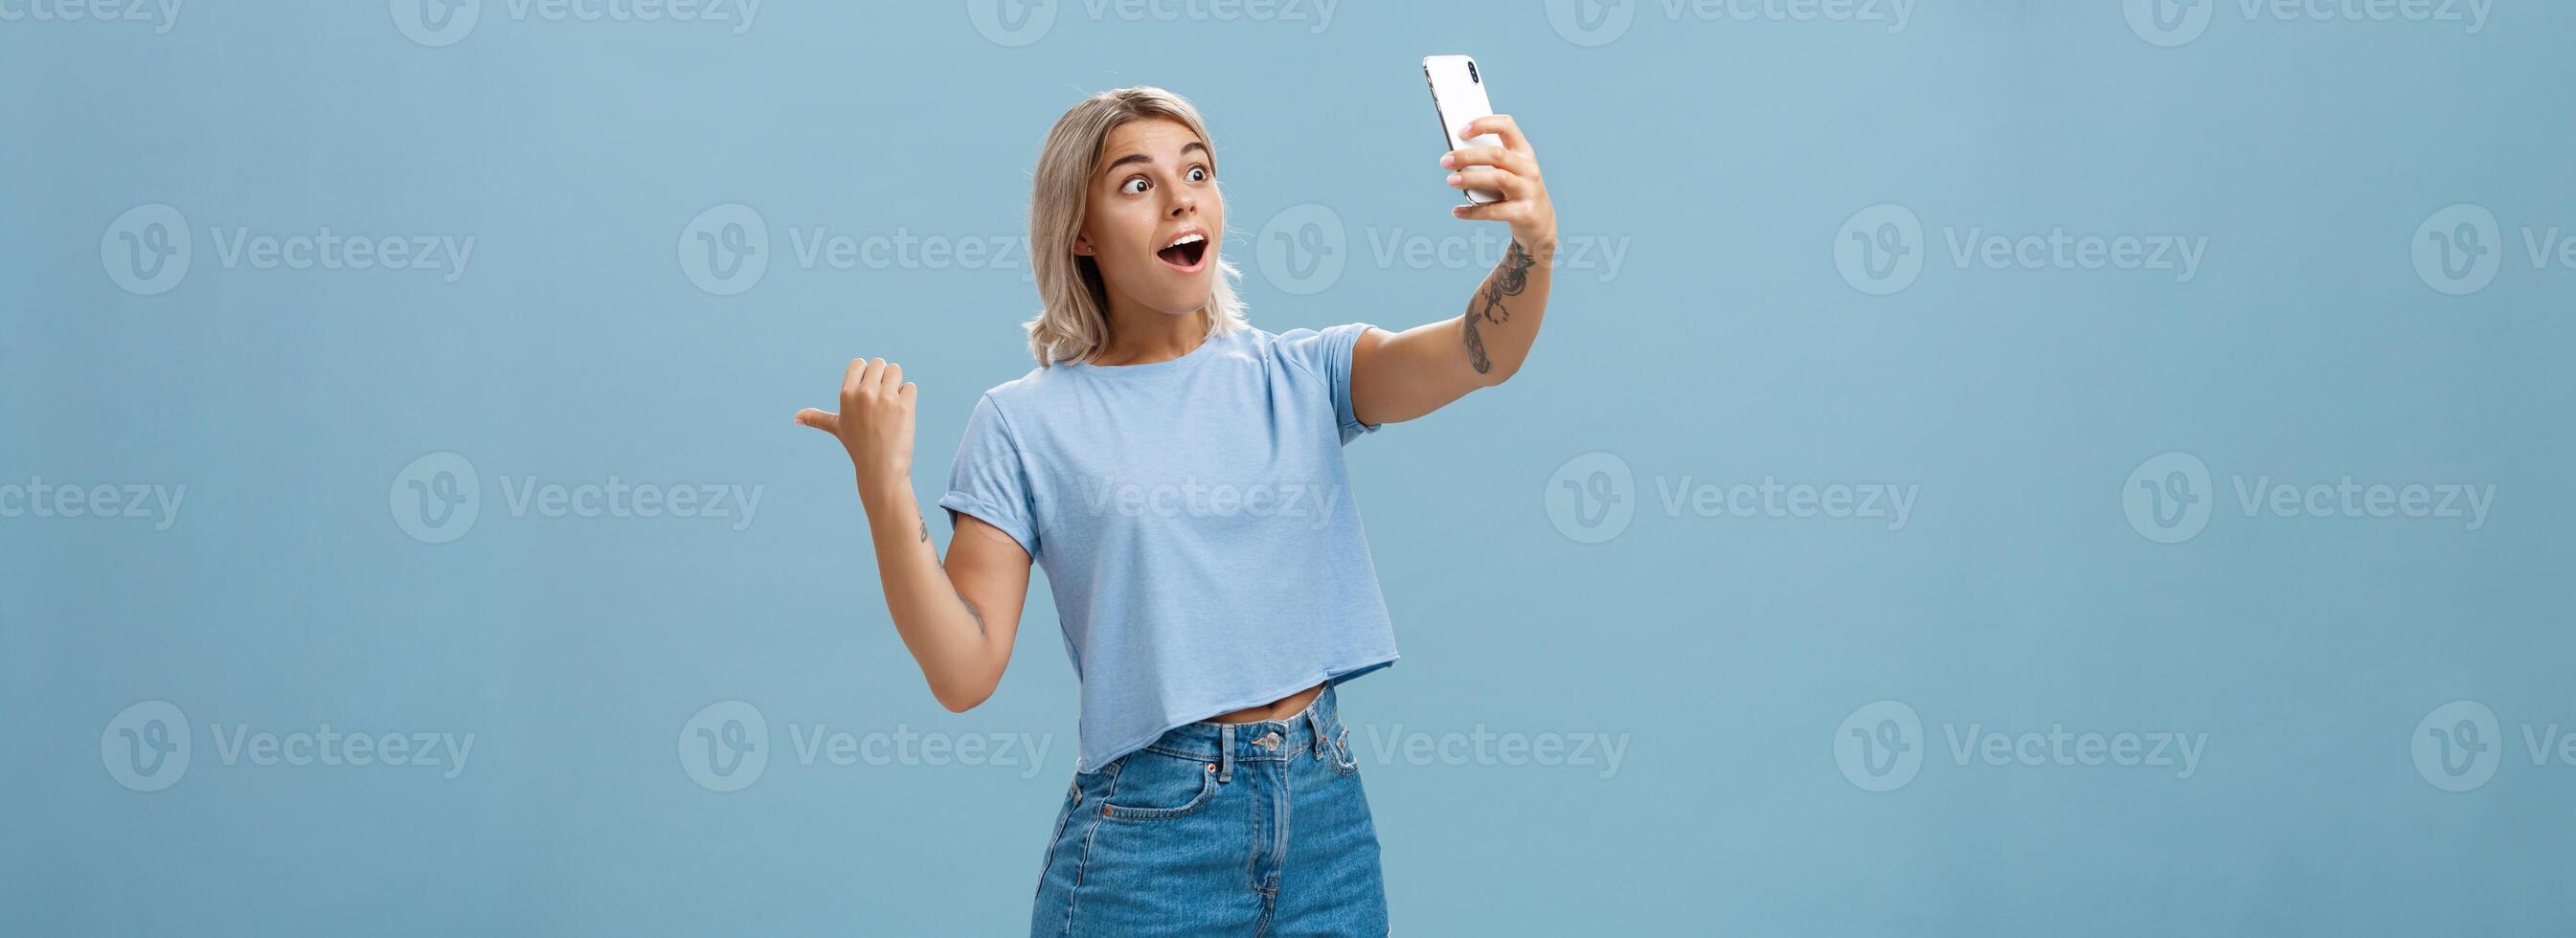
[1152, 217]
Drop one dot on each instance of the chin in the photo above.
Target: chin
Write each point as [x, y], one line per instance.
[1181, 302]
[1180, 309]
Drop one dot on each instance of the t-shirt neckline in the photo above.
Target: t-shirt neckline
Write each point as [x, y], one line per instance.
[1205, 346]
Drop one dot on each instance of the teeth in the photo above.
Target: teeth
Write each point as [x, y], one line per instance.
[1186, 239]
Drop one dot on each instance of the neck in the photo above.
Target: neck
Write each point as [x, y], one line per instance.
[1139, 336]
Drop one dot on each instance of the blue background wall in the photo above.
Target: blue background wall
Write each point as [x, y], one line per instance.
[1800, 702]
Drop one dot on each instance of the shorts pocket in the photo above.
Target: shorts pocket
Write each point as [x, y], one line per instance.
[1154, 787]
[1343, 761]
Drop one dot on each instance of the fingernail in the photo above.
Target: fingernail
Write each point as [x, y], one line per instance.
[1448, 159]
[1454, 177]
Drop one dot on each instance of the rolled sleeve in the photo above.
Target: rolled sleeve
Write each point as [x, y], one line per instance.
[989, 480]
[1328, 353]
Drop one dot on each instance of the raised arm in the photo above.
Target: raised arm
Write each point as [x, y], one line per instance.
[1402, 375]
[958, 618]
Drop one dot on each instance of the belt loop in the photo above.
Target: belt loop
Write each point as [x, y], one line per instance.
[1315, 724]
[1225, 754]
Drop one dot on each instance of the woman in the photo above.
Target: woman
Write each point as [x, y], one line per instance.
[1179, 473]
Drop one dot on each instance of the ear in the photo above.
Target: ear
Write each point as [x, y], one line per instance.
[1082, 246]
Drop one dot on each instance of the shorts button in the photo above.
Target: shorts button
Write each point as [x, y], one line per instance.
[1267, 741]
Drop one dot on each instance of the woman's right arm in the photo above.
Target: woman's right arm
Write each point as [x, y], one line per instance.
[958, 618]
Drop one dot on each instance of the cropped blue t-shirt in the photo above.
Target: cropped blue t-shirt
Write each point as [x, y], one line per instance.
[1195, 521]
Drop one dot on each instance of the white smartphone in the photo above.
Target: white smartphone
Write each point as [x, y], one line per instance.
[1458, 94]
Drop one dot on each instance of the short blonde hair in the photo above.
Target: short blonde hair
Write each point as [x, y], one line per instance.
[1073, 321]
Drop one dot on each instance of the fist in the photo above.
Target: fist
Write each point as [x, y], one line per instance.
[875, 422]
[1511, 169]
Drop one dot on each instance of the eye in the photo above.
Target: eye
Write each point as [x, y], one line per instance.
[1135, 185]
[1199, 174]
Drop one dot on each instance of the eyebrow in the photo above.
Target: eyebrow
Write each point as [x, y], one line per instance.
[1142, 158]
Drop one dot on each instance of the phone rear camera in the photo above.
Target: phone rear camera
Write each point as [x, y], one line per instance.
[1471, 74]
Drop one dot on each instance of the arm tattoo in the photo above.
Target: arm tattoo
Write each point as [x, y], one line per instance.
[1508, 280]
[971, 611]
[925, 538]
[1475, 346]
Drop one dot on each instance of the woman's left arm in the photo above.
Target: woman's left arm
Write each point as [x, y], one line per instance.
[1402, 375]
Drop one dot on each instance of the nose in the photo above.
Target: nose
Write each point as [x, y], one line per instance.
[1183, 203]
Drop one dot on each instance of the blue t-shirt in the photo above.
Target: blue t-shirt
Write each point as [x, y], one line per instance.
[1194, 518]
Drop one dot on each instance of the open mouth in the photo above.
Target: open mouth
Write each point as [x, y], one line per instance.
[1185, 252]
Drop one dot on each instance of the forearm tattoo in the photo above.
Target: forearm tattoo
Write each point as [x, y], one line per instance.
[1508, 280]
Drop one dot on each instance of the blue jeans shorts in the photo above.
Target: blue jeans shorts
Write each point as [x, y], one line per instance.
[1219, 829]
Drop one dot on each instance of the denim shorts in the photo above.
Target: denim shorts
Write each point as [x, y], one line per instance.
[1219, 829]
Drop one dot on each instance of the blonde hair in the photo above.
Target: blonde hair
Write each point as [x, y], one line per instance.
[1073, 321]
